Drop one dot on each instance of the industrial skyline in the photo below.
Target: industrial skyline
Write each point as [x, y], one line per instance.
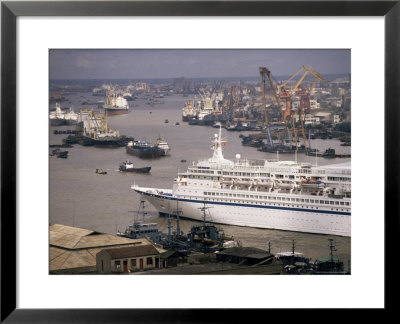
[191, 63]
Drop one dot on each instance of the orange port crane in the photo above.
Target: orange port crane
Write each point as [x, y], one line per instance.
[307, 70]
[304, 94]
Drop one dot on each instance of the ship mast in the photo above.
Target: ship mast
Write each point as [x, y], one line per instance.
[169, 225]
[332, 248]
[203, 209]
[218, 146]
[178, 228]
[141, 207]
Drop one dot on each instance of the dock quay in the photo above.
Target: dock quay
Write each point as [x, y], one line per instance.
[328, 153]
[220, 268]
[236, 260]
[76, 250]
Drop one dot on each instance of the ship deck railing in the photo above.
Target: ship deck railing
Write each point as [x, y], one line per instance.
[306, 171]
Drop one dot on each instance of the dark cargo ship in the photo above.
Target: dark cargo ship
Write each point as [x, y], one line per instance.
[93, 130]
[143, 150]
[127, 166]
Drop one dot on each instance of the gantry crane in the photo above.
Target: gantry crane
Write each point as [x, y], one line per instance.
[282, 126]
[307, 70]
[304, 94]
[264, 71]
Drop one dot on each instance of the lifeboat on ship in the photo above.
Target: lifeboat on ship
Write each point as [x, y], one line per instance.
[268, 184]
[285, 185]
[312, 184]
[243, 182]
[227, 181]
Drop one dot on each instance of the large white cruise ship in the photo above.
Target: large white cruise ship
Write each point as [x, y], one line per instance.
[282, 195]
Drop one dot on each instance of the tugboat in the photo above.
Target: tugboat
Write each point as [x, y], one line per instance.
[58, 153]
[202, 238]
[127, 166]
[294, 262]
[331, 264]
[142, 229]
[163, 146]
[208, 238]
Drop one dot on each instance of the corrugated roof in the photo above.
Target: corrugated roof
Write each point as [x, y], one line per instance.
[72, 247]
[132, 251]
[68, 237]
[167, 254]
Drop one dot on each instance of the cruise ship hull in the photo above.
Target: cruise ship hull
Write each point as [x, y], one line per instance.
[299, 218]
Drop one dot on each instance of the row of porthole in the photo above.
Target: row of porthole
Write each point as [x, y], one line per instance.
[277, 198]
[272, 204]
[266, 204]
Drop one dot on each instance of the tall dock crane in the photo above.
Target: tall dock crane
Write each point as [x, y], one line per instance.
[265, 74]
[286, 92]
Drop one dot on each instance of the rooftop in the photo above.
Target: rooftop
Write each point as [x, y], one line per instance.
[67, 237]
[76, 248]
[132, 251]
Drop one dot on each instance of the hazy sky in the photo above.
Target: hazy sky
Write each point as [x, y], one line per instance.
[147, 64]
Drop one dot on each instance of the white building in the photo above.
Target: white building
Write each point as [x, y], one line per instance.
[311, 120]
[314, 104]
[336, 119]
[323, 116]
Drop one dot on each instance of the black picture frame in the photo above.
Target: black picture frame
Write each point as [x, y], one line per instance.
[10, 10]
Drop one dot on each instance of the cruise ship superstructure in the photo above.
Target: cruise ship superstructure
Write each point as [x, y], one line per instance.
[282, 195]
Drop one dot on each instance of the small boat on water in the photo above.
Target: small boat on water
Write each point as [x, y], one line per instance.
[127, 166]
[101, 171]
[166, 121]
[141, 229]
[58, 153]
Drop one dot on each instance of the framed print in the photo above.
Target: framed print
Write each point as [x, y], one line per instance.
[242, 57]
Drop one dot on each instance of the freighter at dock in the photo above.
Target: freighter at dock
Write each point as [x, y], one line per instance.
[283, 195]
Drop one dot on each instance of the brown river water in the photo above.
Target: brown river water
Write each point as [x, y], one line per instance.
[106, 203]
